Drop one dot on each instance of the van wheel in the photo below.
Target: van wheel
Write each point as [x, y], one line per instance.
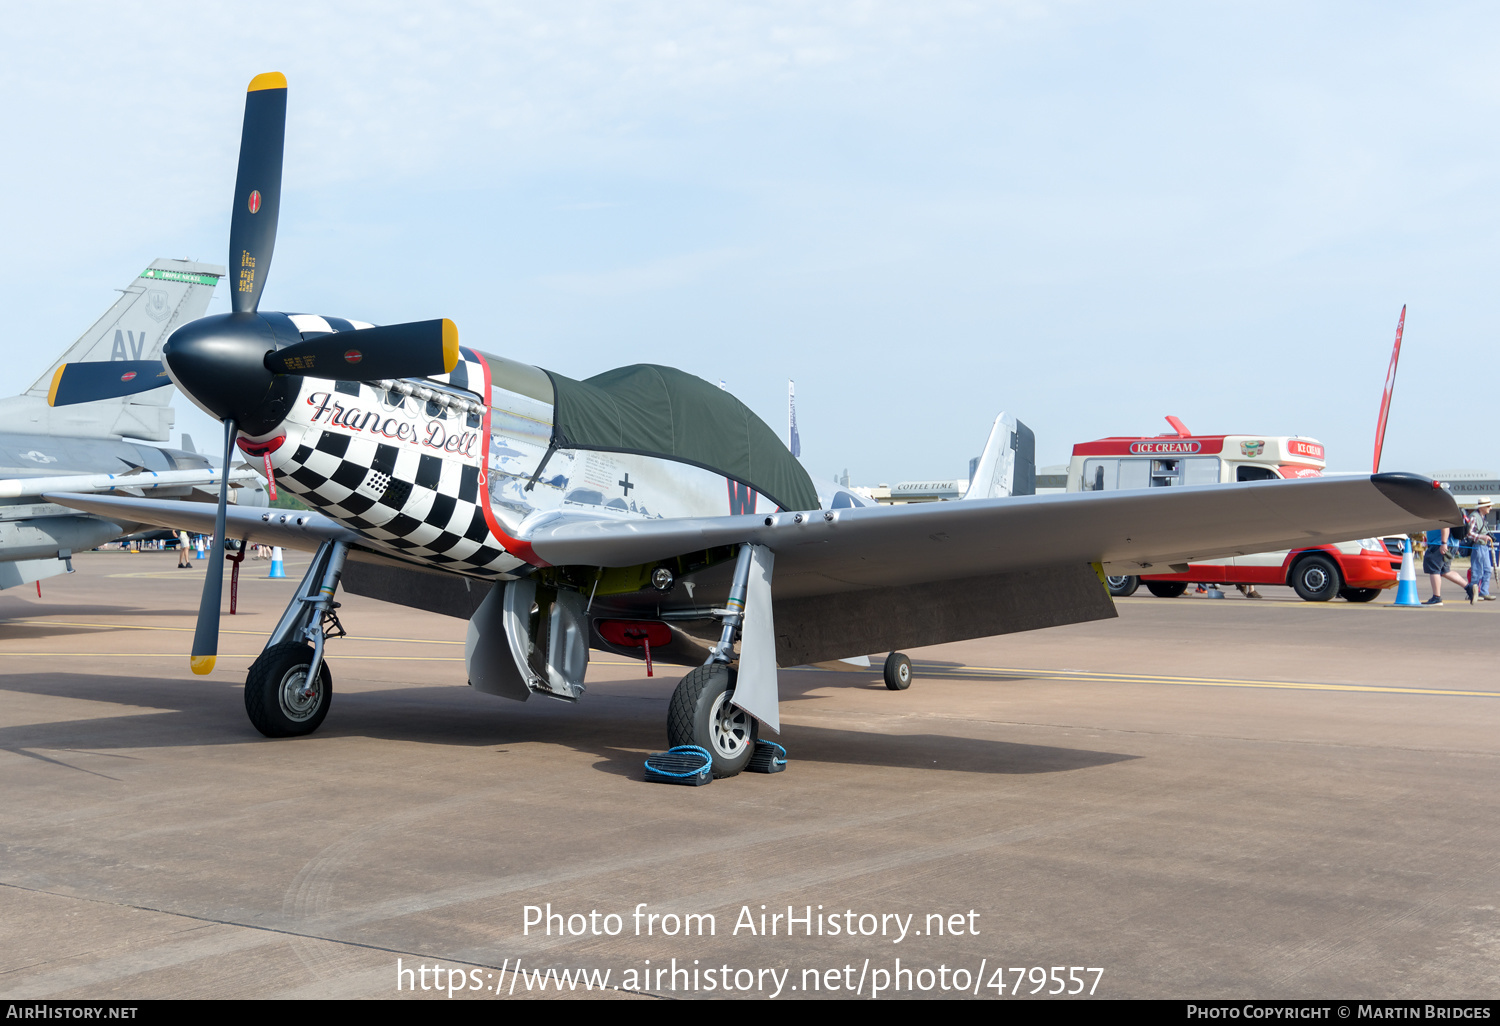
[1358, 594]
[1122, 587]
[1316, 579]
[1166, 589]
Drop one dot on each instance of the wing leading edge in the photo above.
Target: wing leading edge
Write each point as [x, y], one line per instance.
[292, 529]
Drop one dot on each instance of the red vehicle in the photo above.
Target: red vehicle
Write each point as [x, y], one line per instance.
[1355, 570]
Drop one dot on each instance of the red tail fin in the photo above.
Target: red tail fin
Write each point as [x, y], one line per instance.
[1390, 386]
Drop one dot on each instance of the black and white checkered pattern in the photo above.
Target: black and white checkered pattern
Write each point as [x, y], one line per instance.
[419, 505]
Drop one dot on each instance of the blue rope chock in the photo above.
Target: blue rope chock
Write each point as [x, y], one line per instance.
[685, 764]
[769, 757]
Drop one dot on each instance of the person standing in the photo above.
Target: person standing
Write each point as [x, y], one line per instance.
[1437, 563]
[1481, 565]
[182, 550]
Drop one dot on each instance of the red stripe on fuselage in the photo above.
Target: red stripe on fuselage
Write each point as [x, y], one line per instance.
[515, 546]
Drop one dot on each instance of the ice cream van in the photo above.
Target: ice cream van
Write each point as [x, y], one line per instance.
[1354, 570]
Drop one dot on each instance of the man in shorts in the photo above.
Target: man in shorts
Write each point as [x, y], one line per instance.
[1437, 563]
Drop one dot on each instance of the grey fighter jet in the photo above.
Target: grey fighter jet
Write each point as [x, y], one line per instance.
[643, 511]
[84, 447]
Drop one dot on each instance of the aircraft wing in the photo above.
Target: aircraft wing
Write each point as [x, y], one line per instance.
[1126, 531]
[847, 549]
[291, 529]
[135, 480]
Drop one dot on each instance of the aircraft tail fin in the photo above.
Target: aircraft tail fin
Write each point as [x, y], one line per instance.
[1008, 464]
[162, 298]
[793, 439]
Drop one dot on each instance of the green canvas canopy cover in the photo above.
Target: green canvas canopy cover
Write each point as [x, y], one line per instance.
[662, 411]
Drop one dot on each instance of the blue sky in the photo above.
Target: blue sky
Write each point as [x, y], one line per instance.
[1088, 214]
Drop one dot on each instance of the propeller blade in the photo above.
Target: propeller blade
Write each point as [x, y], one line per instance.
[414, 350]
[206, 634]
[86, 382]
[257, 190]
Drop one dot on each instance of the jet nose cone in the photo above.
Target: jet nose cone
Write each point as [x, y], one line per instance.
[219, 363]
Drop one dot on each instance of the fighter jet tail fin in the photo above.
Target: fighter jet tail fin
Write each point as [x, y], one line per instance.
[1008, 464]
[162, 298]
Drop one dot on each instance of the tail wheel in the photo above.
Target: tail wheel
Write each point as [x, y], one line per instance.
[278, 699]
[702, 713]
[897, 671]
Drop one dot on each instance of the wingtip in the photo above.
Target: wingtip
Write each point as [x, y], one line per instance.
[267, 80]
[1420, 496]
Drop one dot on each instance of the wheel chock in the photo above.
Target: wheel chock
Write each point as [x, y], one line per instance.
[769, 757]
[685, 764]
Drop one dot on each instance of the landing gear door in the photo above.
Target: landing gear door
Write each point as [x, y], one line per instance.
[567, 643]
[489, 651]
[548, 635]
[756, 690]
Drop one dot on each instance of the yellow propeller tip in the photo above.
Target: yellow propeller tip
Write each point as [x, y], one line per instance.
[204, 664]
[56, 380]
[450, 346]
[269, 80]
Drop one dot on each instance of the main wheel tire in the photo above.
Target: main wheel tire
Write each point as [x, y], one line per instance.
[1166, 589]
[1316, 579]
[897, 671]
[1358, 594]
[1122, 587]
[702, 714]
[277, 698]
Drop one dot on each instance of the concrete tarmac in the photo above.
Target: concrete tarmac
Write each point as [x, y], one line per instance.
[1201, 799]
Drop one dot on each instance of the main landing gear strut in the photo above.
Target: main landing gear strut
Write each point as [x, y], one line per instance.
[289, 689]
[702, 711]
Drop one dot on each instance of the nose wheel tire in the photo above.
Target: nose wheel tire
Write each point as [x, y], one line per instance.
[278, 699]
[897, 671]
[701, 713]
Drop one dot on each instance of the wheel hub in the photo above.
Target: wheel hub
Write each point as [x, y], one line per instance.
[729, 726]
[298, 701]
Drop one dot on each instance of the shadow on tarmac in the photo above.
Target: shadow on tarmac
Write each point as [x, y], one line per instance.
[13, 609]
[619, 730]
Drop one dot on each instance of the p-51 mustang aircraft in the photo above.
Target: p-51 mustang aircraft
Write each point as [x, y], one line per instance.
[643, 512]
